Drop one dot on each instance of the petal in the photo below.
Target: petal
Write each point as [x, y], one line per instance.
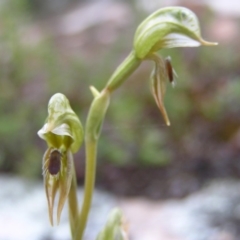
[41, 133]
[62, 130]
[173, 40]
[50, 184]
[51, 187]
[65, 182]
[158, 85]
[61, 182]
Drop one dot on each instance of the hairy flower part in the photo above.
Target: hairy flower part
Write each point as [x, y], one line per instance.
[64, 134]
[58, 170]
[53, 163]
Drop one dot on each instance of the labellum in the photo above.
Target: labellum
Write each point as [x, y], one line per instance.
[54, 162]
[169, 69]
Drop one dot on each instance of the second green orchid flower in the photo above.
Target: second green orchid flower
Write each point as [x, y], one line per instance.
[63, 133]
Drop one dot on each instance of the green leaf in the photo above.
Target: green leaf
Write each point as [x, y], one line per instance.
[168, 28]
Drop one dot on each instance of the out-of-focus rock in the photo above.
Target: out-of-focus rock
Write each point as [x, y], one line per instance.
[213, 213]
[24, 213]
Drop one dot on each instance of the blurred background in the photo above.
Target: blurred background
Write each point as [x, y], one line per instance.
[67, 45]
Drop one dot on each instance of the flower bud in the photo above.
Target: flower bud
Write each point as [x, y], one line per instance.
[115, 228]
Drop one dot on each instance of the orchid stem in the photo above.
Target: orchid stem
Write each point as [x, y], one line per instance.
[125, 69]
[91, 151]
[93, 129]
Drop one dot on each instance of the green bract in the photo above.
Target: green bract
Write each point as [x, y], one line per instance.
[168, 28]
[64, 135]
[96, 113]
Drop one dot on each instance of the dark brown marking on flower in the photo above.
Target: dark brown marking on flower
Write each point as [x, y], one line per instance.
[54, 164]
[169, 69]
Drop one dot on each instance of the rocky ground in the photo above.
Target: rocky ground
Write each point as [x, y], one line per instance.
[213, 213]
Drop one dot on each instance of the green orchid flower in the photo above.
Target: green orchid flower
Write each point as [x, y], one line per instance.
[168, 27]
[63, 133]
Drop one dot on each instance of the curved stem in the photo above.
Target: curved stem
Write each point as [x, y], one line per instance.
[127, 67]
[93, 128]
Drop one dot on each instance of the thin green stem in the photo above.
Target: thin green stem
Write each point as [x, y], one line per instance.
[91, 152]
[95, 118]
[73, 204]
[127, 67]
[93, 128]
